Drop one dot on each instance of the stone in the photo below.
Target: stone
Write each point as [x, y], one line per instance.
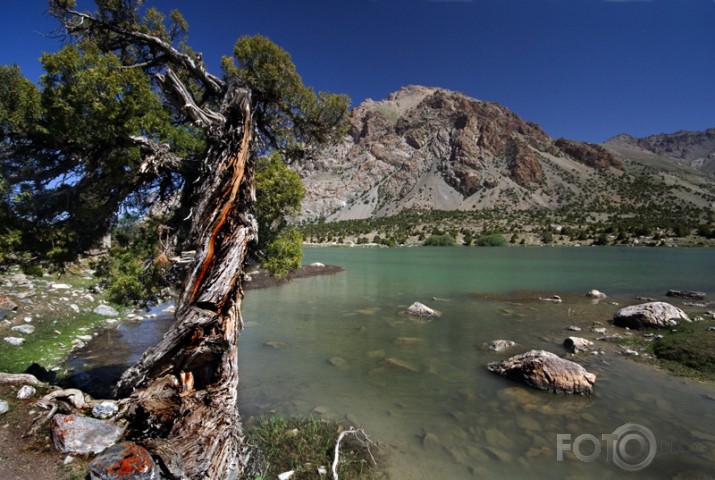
[105, 311]
[689, 294]
[401, 365]
[105, 410]
[317, 265]
[60, 286]
[14, 340]
[25, 392]
[7, 304]
[649, 315]
[26, 329]
[577, 344]
[74, 307]
[596, 294]
[500, 345]
[418, 309]
[124, 461]
[545, 371]
[338, 362]
[430, 440]
[599, 330]
[4, 407]
[80, 435]
[573, 328]
[552, 299]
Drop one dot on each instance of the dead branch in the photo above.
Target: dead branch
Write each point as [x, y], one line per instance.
[361, 436]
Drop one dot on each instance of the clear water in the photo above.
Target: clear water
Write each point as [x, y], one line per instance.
[328, 346]
[324, 345]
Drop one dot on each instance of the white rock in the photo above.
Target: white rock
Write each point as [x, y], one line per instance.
[27, 319]
[26, 329]
[60, 286]
[420, 310]
[286, 475]
[574, 328]
[577, 344]
[14, 340]
[105, 410]
[596, 294]
[4, 407]
[105, 311]
[317, 264]
[74, 307]
[26, 392]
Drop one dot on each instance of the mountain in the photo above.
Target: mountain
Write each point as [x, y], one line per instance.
[433, 152]
[693, 149]
[430, 148]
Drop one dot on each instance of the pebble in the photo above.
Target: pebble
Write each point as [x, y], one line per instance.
[14, 340]
[26, 392]
[574, 328]
[26, 329]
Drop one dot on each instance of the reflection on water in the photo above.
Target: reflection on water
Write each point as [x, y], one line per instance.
[341, 346]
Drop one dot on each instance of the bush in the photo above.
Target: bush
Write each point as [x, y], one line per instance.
[444, 240]
[493, 240]
[284, 254]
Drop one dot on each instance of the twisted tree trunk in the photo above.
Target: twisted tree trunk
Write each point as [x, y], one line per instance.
[184, 391]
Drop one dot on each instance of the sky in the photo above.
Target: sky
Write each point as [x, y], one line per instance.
[582, 69]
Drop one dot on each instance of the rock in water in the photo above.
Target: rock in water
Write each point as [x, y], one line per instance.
[79, 435]
[649, 315]
[124, 461]
[595, 294]
[418, 309]
[577, 344]
[546, 371]
[500, 345]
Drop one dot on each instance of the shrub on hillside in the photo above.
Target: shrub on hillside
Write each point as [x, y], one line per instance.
[444, 240]
[493, 240]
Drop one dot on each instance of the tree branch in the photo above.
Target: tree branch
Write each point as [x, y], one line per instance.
[184, 101]
[195, 66]
[158, 158]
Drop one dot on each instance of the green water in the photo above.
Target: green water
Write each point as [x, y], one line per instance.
[323, 345]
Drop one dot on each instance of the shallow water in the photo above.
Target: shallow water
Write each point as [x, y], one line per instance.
[341, 346]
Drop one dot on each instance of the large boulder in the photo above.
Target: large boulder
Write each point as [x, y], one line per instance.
[546, 371]
[80, 435]
[124, 461]
[649, 315]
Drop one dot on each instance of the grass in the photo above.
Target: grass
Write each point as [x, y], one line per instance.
[305, 444]
[687, 350]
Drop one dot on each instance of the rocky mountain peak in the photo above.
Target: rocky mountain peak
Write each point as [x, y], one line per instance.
[431, 148]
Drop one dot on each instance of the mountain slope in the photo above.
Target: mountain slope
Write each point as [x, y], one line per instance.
[692, 149]
[434, 149]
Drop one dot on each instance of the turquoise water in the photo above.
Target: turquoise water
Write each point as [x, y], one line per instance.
[328, 346]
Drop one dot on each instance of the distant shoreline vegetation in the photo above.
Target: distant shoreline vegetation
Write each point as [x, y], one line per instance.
[526, 228]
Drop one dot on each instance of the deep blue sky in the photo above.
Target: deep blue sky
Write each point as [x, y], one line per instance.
[582, 69]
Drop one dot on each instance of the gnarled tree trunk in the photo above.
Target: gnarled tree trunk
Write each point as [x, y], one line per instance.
[184, 391]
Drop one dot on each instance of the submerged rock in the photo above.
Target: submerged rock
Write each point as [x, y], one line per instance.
[500, 345]
[689, 294]
[545, 371]
[401, 365]
[649, 315]
[577, 344]
[418, 309]
[125, 460]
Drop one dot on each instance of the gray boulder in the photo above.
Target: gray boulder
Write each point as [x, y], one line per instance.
[649, 315]
[124, 461]
[418, 309]
[80, 435]
[545, 371]
[577, 344]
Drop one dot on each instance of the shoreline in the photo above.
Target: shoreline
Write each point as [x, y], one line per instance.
[263, 280]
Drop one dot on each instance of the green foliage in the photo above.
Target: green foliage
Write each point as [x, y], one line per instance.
[444, 240]
[134, 270]
[492, 240]
[290, 115]
[303, 444]
[284, 254]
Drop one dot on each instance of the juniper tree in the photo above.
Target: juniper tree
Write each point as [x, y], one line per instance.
[128, 114]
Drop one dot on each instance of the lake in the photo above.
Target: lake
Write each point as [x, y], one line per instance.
[340, 346]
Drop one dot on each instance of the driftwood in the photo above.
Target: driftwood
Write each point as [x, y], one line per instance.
[16, 378]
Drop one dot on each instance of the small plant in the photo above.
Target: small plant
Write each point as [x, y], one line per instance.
[305, 445]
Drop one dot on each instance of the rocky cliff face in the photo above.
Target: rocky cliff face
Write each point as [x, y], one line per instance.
[429, 148]
[694, 149]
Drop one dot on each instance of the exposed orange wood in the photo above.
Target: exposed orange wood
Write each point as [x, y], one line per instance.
[238, 163]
